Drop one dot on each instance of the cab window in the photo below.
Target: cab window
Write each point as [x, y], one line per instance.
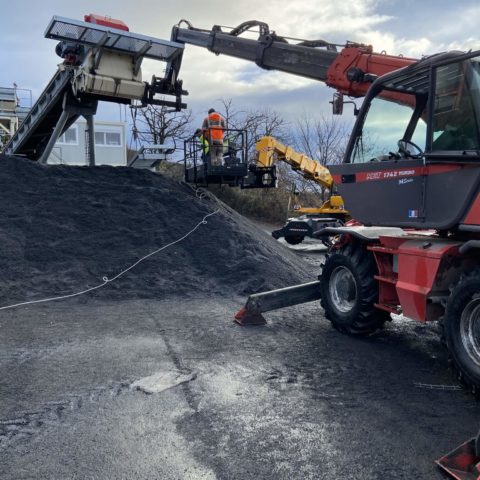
[456, 109]
[386, 123]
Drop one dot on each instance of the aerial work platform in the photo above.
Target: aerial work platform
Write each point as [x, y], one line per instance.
[200, 170]
[235, 170]
[102, 62]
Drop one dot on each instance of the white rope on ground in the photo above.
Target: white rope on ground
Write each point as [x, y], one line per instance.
[107, 280]
[429, 386]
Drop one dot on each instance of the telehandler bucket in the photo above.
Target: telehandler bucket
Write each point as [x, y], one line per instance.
[463, 463]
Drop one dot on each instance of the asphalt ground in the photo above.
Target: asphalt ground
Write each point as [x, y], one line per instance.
[173, 389]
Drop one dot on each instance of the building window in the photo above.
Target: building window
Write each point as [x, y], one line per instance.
[69, 137]
[109, 139]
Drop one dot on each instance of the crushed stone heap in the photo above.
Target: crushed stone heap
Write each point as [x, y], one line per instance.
[63, 228]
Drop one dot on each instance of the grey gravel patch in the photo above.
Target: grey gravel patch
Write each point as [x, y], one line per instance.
[125, 215]
[160, 381]
[30, 423]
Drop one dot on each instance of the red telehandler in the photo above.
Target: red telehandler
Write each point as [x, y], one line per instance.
[410, 175]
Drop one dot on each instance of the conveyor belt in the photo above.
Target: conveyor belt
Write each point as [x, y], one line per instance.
[33, 133]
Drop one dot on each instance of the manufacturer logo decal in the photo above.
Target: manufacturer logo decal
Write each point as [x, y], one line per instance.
[389, 174]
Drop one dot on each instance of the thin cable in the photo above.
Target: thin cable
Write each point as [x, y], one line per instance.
[429, 386]
[107, 280]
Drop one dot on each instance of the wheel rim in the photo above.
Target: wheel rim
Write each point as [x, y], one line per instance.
[470, 330]
[343, 289]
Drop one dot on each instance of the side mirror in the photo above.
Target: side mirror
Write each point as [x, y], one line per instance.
[337, 103]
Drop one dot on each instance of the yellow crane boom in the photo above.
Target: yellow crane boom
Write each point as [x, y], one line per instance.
[270, 150]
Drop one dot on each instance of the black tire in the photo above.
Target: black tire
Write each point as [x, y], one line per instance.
[461, 327]
[294, 240]
[349, 291]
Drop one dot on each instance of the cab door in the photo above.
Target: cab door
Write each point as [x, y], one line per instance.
[383, 182]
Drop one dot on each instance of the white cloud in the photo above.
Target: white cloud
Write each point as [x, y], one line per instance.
[409, 27]
[387, 42]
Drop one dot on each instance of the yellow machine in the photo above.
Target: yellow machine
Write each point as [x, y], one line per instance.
[331, 213]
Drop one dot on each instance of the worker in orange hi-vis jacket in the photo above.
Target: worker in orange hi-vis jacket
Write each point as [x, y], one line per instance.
[213, 126]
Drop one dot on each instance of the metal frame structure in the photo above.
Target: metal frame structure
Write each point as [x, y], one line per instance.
[120, 41]
[108, 69]
[8, 117]
[151, 156]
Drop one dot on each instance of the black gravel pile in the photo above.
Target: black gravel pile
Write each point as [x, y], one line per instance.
[62, 229]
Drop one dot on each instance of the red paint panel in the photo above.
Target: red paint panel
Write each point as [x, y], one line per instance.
[418, 266]
[337, 179]
[416, 277]
[106, 21]
[363, 58]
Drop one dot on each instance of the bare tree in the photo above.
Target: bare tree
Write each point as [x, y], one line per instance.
[260, 123]
[158, 124]
[257, 123]
[322, 139]
[230, 113]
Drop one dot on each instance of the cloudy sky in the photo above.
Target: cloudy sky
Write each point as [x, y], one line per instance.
[409, 27]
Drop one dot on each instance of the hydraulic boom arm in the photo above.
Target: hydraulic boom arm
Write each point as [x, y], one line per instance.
[269, 150]
[350, 70]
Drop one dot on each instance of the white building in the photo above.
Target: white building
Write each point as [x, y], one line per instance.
[110, 144]
[11, 113]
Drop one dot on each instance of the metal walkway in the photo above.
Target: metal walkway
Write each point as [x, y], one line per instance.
[150, 156]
